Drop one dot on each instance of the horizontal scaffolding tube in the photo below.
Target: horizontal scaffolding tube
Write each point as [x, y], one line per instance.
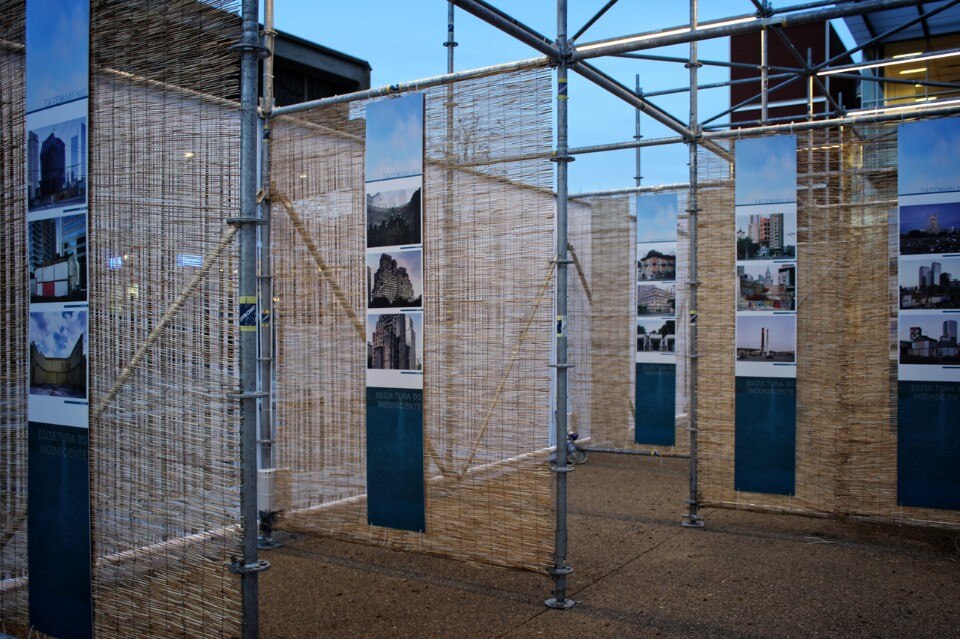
[725, 28]
[414, 85]
[657, 188]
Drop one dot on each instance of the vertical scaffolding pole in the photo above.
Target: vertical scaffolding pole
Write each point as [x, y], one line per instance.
[248, 567]
[692, 519]
[764, 75]
[638, 177]
[560, 568]
[266, 257]
[449, 221]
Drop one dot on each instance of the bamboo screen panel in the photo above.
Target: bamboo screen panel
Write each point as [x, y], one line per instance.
[580, 297]
[13, 320]
[488, 291]
[165, 452]
[846, 439]
[613, 328]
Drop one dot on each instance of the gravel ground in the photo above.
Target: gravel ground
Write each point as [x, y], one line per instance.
[638, 574]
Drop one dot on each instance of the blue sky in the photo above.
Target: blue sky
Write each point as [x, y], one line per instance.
[57, 45]
[394, 138]
[929, 154]
[766, 170]
[657, 218]
[403, 39]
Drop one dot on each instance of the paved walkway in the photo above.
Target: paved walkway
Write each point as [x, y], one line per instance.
[638, 574]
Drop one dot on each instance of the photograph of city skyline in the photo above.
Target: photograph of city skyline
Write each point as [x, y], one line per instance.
[57, 258]
[767, 338]
[394, 280]
[767, 286]
[927, 283]
[929, 339]
[767, 236]
[393, 213]
[58, 354]
[657, 298]
[57, 165]
[927, 229]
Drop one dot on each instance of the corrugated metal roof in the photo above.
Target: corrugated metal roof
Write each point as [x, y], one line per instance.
[867, 26]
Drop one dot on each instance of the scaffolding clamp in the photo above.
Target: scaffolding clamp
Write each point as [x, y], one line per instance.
[253, 395]
[238, 568]
[240, 221]
[242, 48]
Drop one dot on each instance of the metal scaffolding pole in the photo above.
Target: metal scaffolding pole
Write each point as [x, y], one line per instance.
[637, 135]
[764, 71]
[248, 567]
[692, 519]
[449, 219]
[265, 324]
[560, 568]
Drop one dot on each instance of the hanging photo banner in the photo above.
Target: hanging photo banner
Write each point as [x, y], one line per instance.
[657, 299]
[928, 422]
[766, 315]
[394, 291]
[57, 125]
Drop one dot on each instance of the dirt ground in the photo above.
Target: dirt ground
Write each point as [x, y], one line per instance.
[637, 574]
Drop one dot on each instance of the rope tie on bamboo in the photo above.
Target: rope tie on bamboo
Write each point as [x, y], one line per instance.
[168, 316]
[513, 360]
[338, 293]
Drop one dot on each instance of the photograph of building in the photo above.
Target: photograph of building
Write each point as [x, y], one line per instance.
[57, 164]
[393, 214]
[396, 279]
[656, 299]
[929, 339]
[767, 286]
[657, 217]
[767, 236]
[656, 335]
[930, 283]
[767, 338]
[57, 255]
[927, 229]
[58, 354]
[393, 341]
[657, 261]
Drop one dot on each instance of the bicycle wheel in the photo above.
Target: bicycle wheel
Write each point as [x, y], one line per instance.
[576, 456]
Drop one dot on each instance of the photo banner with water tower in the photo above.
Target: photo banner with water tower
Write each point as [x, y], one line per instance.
[57, 197]
[394, 317]
[656, 325]
[928, 312]
[766, 315]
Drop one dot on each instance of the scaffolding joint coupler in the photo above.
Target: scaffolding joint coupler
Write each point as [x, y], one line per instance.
[238, 568]
[241, 221]
[242, 48]
[563, 159]
[563, 570]
[562, 469]
[253, 395]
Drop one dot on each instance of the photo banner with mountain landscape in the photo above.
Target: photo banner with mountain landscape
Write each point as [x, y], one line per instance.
[766, 315]
[657, 299]
[928, 312]
[58, 527]
[394, 317]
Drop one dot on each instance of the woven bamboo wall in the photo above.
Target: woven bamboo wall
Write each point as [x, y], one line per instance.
[488, 289]
[846, 372]
[13, 317]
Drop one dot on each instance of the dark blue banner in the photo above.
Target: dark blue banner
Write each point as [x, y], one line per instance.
[928, 445]
[656, 398]
[395, 488]
[766, 433]
[58, 531]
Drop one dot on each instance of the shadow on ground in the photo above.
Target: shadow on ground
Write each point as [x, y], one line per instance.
[638, 574]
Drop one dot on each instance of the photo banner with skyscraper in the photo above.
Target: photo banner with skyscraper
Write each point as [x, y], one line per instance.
[394, 317]
[766, 315]
[657, 298]
[928, 314]
[58, 478]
